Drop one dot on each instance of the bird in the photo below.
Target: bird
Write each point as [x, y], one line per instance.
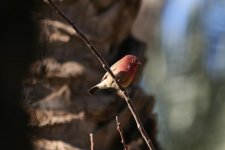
[124, 70]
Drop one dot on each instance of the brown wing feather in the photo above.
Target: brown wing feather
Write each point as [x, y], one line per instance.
[106, 74]
[113, 68]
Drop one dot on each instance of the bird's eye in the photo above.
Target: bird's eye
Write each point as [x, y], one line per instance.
[133, 60]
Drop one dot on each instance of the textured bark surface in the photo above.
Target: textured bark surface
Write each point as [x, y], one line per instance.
[62, 114]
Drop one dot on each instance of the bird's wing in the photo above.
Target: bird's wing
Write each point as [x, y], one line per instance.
[107, 74]
[113, 68]
[123, 77]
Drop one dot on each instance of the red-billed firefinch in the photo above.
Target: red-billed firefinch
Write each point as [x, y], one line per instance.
[124, 70]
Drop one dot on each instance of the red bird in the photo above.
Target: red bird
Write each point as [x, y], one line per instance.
[124, 69]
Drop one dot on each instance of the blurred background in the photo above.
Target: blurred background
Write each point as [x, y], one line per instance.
[186, 71]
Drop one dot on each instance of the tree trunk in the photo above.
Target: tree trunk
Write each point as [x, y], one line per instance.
[62, 114]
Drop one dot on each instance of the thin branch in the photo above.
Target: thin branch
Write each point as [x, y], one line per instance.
[92, 141]
[107, 68]
[121, 134]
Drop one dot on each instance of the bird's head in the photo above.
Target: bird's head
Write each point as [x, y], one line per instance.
[132, 60]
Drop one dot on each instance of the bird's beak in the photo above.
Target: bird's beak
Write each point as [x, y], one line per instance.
[138, 63]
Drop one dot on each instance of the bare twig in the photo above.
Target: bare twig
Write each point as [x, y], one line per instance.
[107, 68]
[121, 134]
[92, 141]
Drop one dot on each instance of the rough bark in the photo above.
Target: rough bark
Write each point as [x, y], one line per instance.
[62, 114]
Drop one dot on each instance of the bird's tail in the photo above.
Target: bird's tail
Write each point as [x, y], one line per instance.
[92, 90]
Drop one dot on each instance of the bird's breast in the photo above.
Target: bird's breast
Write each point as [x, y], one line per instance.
[126, 75]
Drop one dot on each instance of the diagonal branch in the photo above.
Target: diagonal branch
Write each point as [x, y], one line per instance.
[107, 68]
[121, 134]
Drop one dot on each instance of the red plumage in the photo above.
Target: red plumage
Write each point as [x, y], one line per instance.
[124, 69]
